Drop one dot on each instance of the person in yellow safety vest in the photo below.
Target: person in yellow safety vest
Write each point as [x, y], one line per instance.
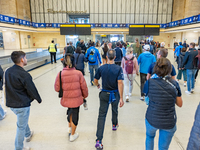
[52, 50]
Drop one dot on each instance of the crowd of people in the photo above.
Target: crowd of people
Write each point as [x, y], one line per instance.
[116, 64]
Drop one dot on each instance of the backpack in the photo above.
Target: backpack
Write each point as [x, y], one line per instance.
[92, 56]
[129, 65]
[70, 49]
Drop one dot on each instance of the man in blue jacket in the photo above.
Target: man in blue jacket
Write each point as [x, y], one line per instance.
[188, 62]
[119, 55]
[145, 60]
[94, 58]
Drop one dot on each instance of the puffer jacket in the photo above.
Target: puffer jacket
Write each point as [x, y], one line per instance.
[194, 143]
[74, 87]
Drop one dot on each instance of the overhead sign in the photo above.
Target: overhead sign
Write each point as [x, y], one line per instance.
[67, 29]
[83, 29]
[136, 30]
[152, 29]
[7, 19]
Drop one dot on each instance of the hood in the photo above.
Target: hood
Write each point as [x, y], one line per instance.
[147, 54]
[182, 53]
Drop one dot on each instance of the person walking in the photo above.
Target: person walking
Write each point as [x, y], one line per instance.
[163, 93]
[124, 49]
[20, 92]
[111, 93]
[93, 57]
[145, 60]
[70, 49]
[119, 55]
[178, 51]
[74, 89]
[52, 50]
[185, 45]
[83, 47]
[104, 51]
[161, 53]
[130, 69]
[65, 49]
[2, 112]
[137, 48]
[181, 69]
[80, 65]
[152, 48]
[188, 63]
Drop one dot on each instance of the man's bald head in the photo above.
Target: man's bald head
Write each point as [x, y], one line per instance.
[111, 54]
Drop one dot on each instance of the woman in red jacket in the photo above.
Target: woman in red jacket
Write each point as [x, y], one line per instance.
[74, 91]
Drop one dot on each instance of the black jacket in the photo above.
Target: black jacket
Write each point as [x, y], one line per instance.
[180, 60]
[194, 139]
[83, 48]
[20, 89]
[1, 78]
[70, 49]
[188, 61]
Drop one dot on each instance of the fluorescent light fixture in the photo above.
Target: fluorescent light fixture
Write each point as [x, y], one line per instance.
[181, 30]
[4, 30]
[195, 31]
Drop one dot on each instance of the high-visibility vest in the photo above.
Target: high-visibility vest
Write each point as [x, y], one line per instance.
[52, 48]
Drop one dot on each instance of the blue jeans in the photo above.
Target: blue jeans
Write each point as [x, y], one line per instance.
[92, 68]
[23, 129]
[2, 113]
[180, 72]
[190, 79]
[165, 137]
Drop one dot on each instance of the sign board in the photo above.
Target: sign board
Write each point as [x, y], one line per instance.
[136, 30]
[67, 29]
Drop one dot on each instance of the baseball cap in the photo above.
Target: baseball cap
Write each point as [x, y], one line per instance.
[147, 47]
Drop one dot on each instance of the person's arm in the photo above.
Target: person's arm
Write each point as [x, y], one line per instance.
[122, 64]
[185, 59]
[48, 48]
[139, 59]
[120, 88]
[148, 76]
[154, 58]
[31, 89]
[99, 57]
[56, 47]
[136, 66]
[179, 101]
[84, 87]
[1, 73]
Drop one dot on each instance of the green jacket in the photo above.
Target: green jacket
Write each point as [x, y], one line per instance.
[137, 50]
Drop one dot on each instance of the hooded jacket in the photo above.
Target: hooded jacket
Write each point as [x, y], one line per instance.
[180, 60]
[145, 60]
[188, 61]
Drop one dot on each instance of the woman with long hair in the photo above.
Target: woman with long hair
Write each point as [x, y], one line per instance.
[163, 93]
[137, 48]
[74, 91]
[105, 50]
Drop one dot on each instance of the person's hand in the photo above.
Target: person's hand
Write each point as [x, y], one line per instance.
[121, 102]
[98, 86]
[179, 68]
[137, 74]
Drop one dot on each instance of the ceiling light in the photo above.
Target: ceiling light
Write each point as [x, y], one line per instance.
[3, 30]
[195, 31]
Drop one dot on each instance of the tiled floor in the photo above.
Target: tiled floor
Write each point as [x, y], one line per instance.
[48, 119]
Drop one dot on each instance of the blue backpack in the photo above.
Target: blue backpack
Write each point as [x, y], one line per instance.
[92, 56]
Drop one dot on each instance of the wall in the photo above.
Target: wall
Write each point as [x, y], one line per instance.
[191, 37]
[42, 40]
[16, 8]
[8, 7]
[163, 37]
[185, 8]
[104, 11]
[11, 40]
[23, 9]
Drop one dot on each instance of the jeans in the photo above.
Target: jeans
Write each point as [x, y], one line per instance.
[143, 78]
[128, 82]
[165, 137]
[53, 55]
[92, 68]
[103, 109]
[180, 72]
[23, 129]
[2, 113]
[190, 79]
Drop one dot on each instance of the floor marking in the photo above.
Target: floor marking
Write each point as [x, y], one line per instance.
[178, 142]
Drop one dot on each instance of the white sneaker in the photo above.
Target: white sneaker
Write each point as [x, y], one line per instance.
[130, 94]
[192, 90]
[142, 98]
[187, 92]
[26, 148]
[184, 84]
[127, 98]
[28, 139]
[5, 113]
[73, 137]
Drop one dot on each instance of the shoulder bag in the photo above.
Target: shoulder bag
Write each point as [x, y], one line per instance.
[61, 90]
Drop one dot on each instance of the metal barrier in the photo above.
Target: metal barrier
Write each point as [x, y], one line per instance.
[35, 59]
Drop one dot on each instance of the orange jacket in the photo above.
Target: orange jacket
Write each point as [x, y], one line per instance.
[74, 87]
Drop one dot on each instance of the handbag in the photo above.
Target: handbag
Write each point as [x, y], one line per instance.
[61, 90]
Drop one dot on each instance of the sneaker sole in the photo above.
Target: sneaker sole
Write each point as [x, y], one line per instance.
[28, 140]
